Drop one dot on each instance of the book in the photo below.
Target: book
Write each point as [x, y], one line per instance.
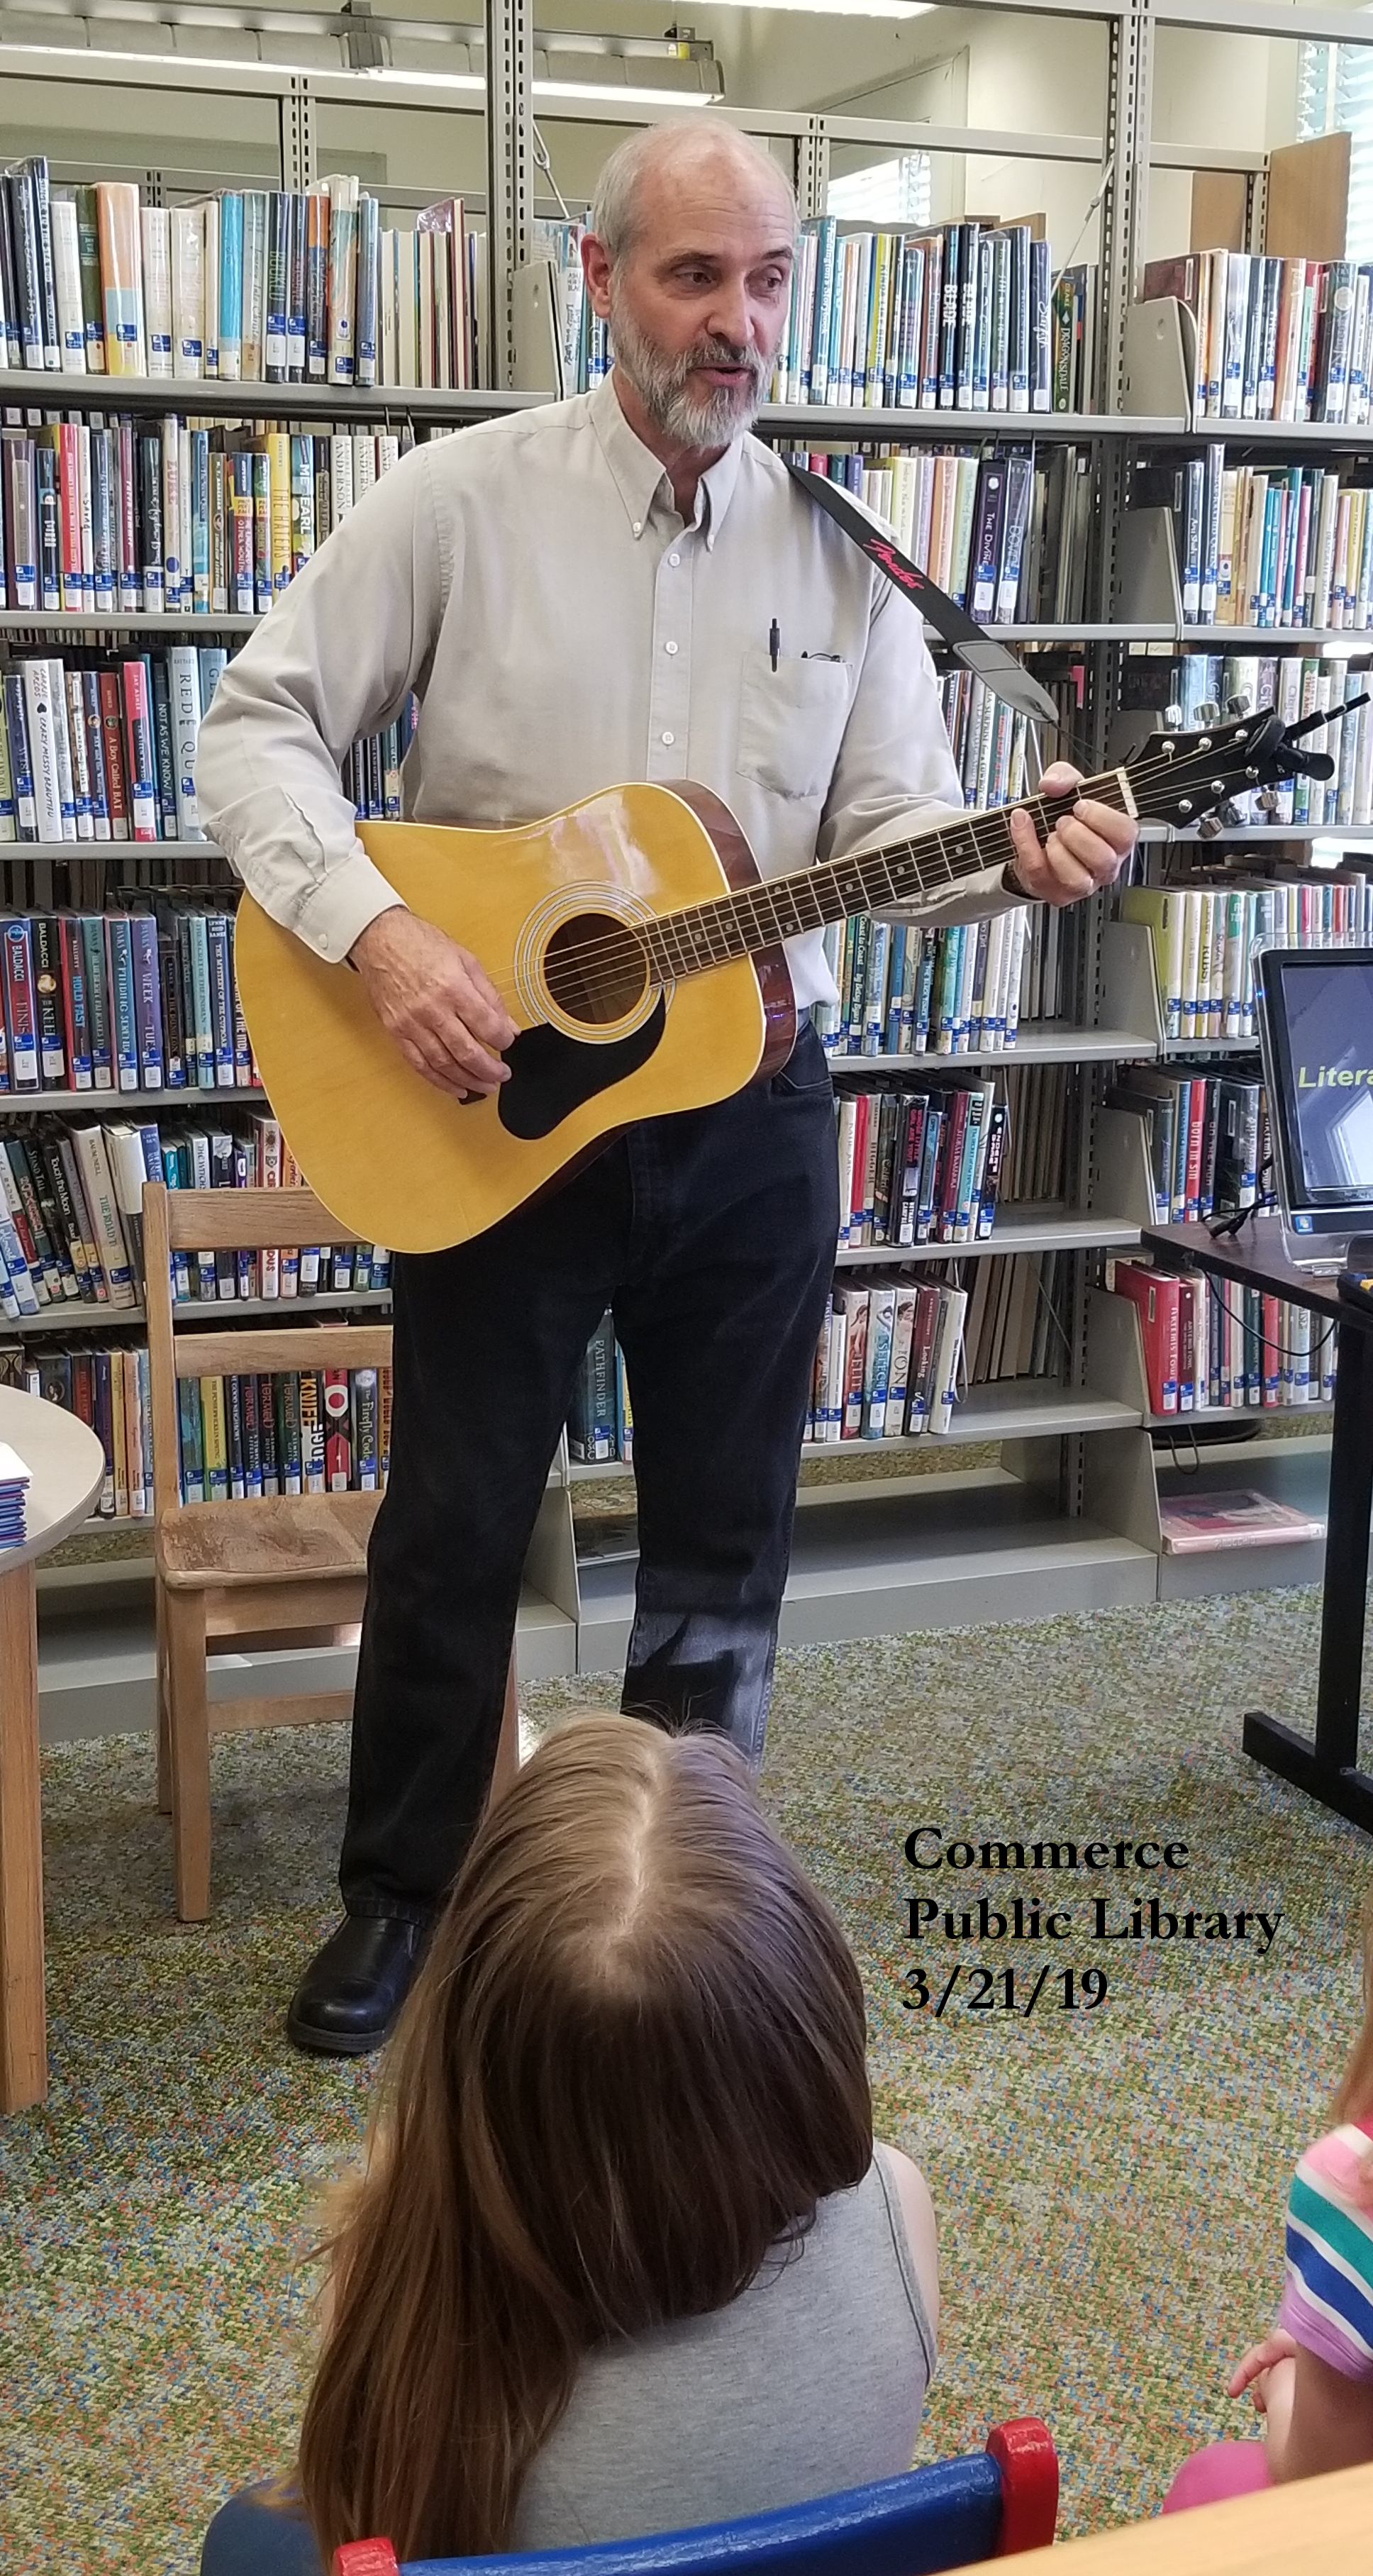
[1244, 1517]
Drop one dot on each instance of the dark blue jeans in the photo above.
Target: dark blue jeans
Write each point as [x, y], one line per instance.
[711, 1236]
[249, 2538]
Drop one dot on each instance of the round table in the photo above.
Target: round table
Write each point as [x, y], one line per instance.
[66, 1467]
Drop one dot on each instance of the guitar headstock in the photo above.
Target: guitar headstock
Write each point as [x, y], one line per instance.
[1181, 778]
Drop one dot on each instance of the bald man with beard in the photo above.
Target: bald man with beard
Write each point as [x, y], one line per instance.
[623, 586]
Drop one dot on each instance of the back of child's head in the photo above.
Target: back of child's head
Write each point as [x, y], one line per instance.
[634, 2060]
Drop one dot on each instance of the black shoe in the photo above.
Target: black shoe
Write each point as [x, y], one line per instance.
[349, 1997]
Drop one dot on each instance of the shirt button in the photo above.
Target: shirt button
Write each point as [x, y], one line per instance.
[669, 648]
[669, 738]
[638, 527]
[674, 559]
[322, 940]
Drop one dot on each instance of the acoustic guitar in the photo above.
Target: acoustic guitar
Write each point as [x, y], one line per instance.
[638, 948]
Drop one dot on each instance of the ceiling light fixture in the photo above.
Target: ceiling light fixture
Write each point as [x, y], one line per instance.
[851, 8]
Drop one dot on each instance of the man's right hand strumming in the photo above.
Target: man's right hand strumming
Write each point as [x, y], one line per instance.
[437, 1001]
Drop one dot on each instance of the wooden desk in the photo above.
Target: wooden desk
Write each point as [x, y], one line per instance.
[1316, 2527]
[67, 1469]
[1328, 1767]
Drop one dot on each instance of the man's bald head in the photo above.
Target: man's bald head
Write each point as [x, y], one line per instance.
[652, 173]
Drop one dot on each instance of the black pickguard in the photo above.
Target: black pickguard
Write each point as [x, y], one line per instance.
[551, 1075]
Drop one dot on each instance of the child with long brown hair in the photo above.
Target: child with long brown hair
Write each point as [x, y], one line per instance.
[1312, 2377]
[624, 2257]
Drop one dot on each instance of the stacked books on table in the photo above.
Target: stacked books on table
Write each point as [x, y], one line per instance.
[275, 286]
[1218, 1345]
[14, 1490]
[1277, 339]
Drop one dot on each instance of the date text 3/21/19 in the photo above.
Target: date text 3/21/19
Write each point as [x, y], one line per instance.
[996, 1990]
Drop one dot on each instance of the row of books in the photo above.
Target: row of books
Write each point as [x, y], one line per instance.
[888, 1361]
[1280, 546]
[71, 1223]
[1199, 685]
[1206, 1133]
[1004, 530]
[990, 741]
[273, 285]
[122, 1001]
[1219, 1344]
[297, 1431]
[920, 1165]
[1277, 339]
[106, 1385]
[76, 876]
[907, 991]
[930, 1161]
[968, 317]
[96, 749]
[173, 517]
[1203, 939]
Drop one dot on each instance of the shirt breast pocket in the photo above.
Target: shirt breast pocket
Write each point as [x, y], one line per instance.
[791, 722]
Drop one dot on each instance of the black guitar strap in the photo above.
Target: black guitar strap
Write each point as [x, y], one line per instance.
[973, 645]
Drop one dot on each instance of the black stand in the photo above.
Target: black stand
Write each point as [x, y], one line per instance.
[1328, 1768]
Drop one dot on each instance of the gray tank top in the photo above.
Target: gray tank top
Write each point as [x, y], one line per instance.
[811, 2381]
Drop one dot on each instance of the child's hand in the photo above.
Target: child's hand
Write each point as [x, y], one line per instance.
[1252, 2371]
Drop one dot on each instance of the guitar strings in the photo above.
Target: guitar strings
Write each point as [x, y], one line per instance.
[586, 958]
[596, 954]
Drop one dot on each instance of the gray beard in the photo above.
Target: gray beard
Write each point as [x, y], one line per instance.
[662, 384]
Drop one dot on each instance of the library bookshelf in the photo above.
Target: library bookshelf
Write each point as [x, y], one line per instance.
[1065, 1517]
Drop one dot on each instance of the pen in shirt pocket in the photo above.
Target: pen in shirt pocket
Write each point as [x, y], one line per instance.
[774, 642]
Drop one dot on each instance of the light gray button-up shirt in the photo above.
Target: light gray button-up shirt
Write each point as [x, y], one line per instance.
[565, 631]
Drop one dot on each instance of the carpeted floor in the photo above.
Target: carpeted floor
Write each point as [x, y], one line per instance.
[1109, 2182]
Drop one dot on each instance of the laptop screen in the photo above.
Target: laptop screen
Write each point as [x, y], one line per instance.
[1316, 1020]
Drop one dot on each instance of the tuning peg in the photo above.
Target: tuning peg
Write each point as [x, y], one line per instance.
[1267, 800]
[1208, 827]
[1172, 713]
[1239, 706]
[1230, 816]
[1208, 713]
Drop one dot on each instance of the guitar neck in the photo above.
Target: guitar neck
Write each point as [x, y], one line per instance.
[759, 916]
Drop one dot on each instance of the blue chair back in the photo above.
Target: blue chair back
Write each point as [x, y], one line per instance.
[950, 2515]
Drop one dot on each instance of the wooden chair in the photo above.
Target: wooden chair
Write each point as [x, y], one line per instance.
[990, 2504]
[236, 1575]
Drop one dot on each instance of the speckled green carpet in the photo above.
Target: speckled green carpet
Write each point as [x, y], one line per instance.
[1109, 2182]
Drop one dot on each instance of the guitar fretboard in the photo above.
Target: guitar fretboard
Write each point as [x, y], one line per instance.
[759, 916]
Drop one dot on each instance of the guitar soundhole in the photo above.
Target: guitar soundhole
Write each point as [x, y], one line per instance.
[595, 968]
